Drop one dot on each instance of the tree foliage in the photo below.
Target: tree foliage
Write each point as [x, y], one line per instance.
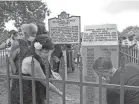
[23, 12]
[135, 29]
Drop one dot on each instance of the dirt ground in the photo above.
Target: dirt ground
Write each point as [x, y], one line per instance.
[71, 90]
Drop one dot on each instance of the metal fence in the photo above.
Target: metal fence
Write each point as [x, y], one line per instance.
[124, 57]
[131, 54]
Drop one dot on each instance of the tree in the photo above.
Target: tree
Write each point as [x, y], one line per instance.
[23, 12]
[135, 29]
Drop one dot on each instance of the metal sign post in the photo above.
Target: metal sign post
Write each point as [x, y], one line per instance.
[65, 30]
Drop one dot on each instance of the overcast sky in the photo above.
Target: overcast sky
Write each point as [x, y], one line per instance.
[95, 12]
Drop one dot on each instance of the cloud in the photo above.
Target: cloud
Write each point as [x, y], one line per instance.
[114, 7]
[124, 13]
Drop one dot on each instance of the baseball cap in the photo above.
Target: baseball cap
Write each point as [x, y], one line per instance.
[131, 33]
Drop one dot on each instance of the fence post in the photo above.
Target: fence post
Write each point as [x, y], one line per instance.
[122, 69]
[20, 80]
[8, 79]
[47, 79]
[80, 66]
[137, 56]
[100, 85]
[33, 82]
[64, 76]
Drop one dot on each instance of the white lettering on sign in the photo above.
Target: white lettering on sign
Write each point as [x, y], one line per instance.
[100, 35]
[65, 30]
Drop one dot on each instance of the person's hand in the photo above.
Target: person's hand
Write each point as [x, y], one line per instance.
[9, 44]
[133, 45]
[67, 98]
[56, 59]
[56, 75]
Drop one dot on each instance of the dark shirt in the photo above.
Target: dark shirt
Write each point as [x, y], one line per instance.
[131, 78]
[57, 52]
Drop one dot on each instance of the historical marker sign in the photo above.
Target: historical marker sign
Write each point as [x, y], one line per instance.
[100, 35]
[64, 29]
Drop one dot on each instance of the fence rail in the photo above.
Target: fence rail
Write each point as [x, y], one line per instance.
[131, 54]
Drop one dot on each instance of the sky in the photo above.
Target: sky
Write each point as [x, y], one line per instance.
[124, 13]
[10, 25]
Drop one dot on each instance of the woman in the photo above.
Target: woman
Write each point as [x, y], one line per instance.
[104, 69]
[42, 49]
[21, 49]
[103, 65]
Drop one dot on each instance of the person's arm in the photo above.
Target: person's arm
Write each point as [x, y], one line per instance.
[123, 43]
[3, 46]
[13, 53]
[132, 46]
[12, 58]
[14, 46]
[56, 59]
[26, 65]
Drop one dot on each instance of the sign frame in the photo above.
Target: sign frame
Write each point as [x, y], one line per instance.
[95, 32]
[64, 15]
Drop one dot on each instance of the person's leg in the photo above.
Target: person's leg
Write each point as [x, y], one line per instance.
[54, 66]
[73, 67]
[57, 69]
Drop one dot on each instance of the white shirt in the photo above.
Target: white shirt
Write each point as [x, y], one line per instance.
[26, 68]
[128, 43]
[138, 44]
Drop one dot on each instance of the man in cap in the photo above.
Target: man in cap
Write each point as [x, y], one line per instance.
[130, 41]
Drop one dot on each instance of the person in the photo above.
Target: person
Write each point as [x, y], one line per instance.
[19, 50]
[70, 60]
[7, 45]
[130, 41]
[104, 70]
[107, 68]
[131, 78]
[13, 35]
[56, 57]
[137, 38]
[29, 33]
[130, 46]
[42, 47]
[20, 46]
